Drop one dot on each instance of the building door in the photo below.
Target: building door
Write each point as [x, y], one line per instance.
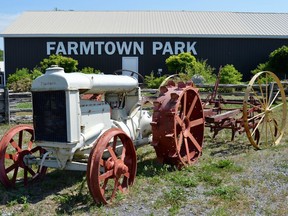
[130, 63]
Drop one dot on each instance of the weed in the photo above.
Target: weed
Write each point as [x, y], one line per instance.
[173, 199]
[225, 192]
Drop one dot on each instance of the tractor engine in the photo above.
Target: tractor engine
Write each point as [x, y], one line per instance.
[71, 110]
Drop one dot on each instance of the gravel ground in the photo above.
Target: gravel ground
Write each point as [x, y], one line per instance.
[263, 188]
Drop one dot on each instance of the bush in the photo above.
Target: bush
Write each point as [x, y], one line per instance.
[278, 60]
[277, 63]
[154, 82]
[229, 75]
[201, 68]
[90, 70]
[181, 62]
[69, 64]
[21, 80]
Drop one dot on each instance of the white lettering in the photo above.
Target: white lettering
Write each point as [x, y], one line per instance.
[50, 46]
[138, 47]
[123, 46]
[61, 49]
[156, 46]
[191, 47]
[72, 47]
[118, 47]
[167, 49]
[99, 44]
[86, 49]
[110, 48]
[179, 47]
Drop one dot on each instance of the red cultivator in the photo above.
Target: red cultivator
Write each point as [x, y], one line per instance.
[75, 129]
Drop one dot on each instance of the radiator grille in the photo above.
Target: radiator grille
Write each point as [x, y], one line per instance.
[49, 116]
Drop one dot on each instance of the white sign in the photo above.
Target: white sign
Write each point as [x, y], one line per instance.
[119, 48]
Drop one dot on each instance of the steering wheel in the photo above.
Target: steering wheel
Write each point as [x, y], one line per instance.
[117, 72]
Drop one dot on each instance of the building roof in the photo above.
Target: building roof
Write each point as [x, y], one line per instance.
[148, 24]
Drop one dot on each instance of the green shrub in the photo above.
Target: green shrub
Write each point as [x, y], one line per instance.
[229, 75]
[278, 60]
[187, 66]
[21, 80]
[181, 62]
[90, 70]
[277, 63]
[203, 69]
[69, 64]
[154, 82]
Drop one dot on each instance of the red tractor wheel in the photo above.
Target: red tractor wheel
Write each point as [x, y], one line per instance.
[15, 146]
[178, 125]
[111, 166]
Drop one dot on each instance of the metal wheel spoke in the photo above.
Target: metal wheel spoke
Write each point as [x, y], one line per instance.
[256, 116]
[256, 127]
[25, 177]
[191, 107]
[196, 122]
[10, 156]
[271, 103]
[114, 142]
[259, 99]
[10, 168]
[178, 120]
[30, 144]
[185, 103]
[30, 171]
[187, 150]
[106, 175]
[104, 186]
[180, 140]
[194, 141]
[112, 153]
[15, 175]
[20, 139]
[15, 145]
[272, 133]
[278, 105]
[116, 185]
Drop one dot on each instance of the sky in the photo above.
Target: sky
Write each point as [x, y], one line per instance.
[11, 9]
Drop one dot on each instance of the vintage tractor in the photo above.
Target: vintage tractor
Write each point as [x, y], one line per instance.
[88, 123]
[93, 122]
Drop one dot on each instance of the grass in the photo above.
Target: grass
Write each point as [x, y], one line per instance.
[223, 182]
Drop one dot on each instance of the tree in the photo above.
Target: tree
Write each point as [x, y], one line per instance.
[181, 62]
[229, 75]
[188, 66]
[69, 64]
[277, 62]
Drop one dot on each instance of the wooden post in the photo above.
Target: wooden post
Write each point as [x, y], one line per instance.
[7, 106]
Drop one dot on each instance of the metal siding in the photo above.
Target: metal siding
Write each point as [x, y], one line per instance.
[244, 54]
[149, 23]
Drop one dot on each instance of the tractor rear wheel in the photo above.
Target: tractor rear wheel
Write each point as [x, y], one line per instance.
[178, 125]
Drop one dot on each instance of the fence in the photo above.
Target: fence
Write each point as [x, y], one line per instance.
[11, 112]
